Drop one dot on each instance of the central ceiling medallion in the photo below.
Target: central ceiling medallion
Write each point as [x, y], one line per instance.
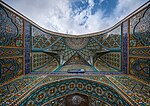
[76, 43]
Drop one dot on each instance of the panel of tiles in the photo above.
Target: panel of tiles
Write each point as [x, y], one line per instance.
[113, 59]
[140, 67]
[11, 45]
[11, 29]
[10, 68]
[56, 89]
[138, 92]
[27, 33]
[10, 52]
[70, 100]
[111, 40]
[100, 65]
[23, 85]
[39, 59]
[125, 50]
[134, 88]
[9, 89]
[141, 52]
[67, 47]
[30, 82]
[139, 45]
[140, 29]
[40, 39]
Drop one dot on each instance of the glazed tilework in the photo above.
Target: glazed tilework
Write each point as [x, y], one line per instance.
[61, 48]
[55, 89]
[27, 33]
[9, 52]
[20, 94]
[90, 49]
[76, 43]
[111, 40]
[99, 78]
[49, 67]
[142, 52]
[76, 59]
[10, 68]
[140, 29]
[18, 37]
[11, 33]
[125, 47]
[139, 61]
[113, 59]
[140, 67]
[96, 102]
[38, 80]
[63, 100]
[55, 102]
[136, 90]
[67, 48]
[12, 43]
[101, 66]
[76, 66]
[13, 87]
[40, 39]
[40, 59]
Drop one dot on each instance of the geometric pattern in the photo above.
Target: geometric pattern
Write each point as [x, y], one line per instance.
[76, 59]
[8, 52]
[67, 50]
[140, 29]
[39, 59]
[60, 48]
[12, 43]
[49, 67]
[8, 90]
[10, 68]
[91, 101]
[11, 33]
[136, 90]
[8, 29]
[125, 42]
[40, 39]
[28, 87]
[52, 90]
[49, 48]
[129, 85]
[66, 47]
[76, 43]
[27, 33]
[140, 67]
[100, 78]
[141, 52]
[112, 59]
[101, 66]
[110, 40]
[29, 82]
